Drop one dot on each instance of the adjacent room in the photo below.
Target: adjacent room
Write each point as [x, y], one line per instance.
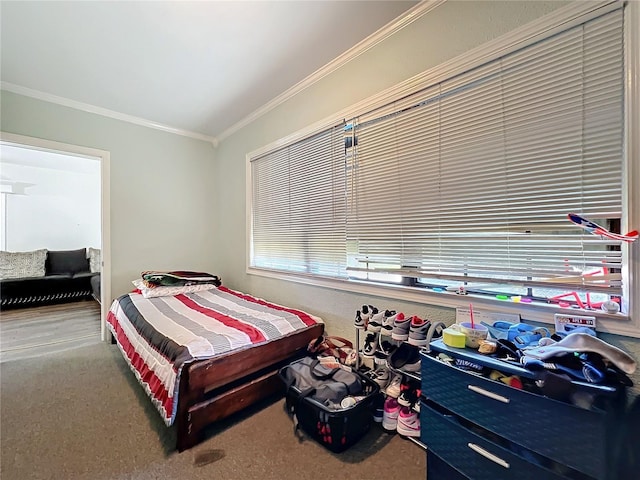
[300, 239]
[51, 228]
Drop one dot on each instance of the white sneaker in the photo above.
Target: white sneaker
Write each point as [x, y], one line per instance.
[381, 377]
[370, 345]
[363, 316]
[393, 388]
[408, 422]
[388, 322]
[376, 321]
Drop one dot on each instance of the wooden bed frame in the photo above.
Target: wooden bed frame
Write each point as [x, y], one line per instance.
[213, 389]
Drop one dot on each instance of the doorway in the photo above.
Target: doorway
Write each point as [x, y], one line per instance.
[9, 140]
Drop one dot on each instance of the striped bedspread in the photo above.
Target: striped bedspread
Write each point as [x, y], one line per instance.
[159, 336]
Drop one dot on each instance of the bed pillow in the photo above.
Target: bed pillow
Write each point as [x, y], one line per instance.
[22, 264]
[169, 291]
[95, 259]
[67, 262]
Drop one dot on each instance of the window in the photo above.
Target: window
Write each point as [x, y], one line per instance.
[298, 198]
[470, 180]
[467, 180]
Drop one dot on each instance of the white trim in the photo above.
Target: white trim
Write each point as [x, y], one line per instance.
[391, 28]
[632, 107]
[371, 41]
[105, 203]
[606, 322]
[85, 107]
[573, 14]
[248, 212]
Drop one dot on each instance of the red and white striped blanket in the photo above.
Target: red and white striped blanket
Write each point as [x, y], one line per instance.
[159, 336]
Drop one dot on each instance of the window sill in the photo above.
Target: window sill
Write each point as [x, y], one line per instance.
[619, 324]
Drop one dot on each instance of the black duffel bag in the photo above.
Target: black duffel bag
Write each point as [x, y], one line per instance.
[326, 385]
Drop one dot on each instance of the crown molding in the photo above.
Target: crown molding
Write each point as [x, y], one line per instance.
[85, 107]
[372, 40]
[564, 17]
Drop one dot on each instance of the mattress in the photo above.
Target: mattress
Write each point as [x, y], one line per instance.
[160, 336]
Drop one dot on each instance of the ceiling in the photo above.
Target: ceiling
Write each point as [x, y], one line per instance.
[199, 67]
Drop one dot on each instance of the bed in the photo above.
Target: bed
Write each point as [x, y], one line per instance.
[205, 355]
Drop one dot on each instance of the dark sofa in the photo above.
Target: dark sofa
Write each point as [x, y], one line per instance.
[67, 278]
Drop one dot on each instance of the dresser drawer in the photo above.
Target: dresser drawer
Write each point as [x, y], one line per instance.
[567, 434]
[473, 455]
[438, 469]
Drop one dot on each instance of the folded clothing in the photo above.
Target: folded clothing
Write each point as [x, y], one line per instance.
[586, 367]
[583, 342]
[178, 278]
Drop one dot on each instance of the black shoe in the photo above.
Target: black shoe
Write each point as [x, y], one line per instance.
[406, 357]
[385, 349]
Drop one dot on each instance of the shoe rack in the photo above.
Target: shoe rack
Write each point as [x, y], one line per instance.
[414, 376]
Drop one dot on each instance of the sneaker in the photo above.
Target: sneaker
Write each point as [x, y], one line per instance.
[381, 377]
[378, 319]
[405, 357]
[378, 408]
[408, 396]
[389, 322]
[390, 414]
[393, 388]
[416, 406]
[363, 316]
[400, 330]
[407, 393]
[370, 345]
[418, 331]
[368, 311]
[385, 349]
[413, 365]
[408, 423]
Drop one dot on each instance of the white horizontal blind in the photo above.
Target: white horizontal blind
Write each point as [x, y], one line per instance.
[298, 206]
[473, 178]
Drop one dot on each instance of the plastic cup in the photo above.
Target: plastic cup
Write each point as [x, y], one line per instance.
[474, 335]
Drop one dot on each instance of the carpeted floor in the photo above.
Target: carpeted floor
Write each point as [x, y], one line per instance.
[80, 414]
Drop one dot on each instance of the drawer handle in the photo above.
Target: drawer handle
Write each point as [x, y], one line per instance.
[488, 455]
[489, 394]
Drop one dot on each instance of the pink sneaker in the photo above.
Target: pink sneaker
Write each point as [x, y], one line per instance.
[390, 414]
[408, 422]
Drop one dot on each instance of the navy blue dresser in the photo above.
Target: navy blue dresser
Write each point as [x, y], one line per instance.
[480, 429]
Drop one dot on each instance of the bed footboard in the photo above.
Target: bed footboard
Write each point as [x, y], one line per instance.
[223, 404]
[214, 389]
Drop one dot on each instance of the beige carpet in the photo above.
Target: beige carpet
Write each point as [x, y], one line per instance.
[81, 415]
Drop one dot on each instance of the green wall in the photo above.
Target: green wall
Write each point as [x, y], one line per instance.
[162, 186]
[442, 34]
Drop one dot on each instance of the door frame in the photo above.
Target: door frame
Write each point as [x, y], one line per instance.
[105, 204]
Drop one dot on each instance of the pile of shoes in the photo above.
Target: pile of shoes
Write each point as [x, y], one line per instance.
[391, 324]
[394, 341]
[401, 413]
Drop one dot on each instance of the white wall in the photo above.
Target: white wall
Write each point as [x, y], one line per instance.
[60, 210]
